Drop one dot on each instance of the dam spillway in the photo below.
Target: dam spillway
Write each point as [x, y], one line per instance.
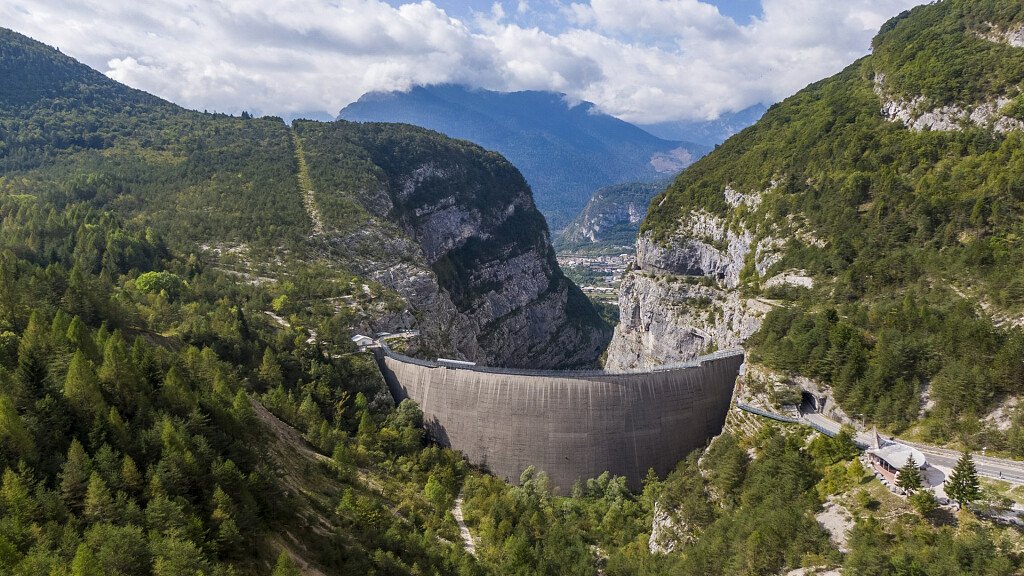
[573, 425]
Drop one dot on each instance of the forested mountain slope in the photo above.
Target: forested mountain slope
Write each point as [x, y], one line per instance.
[866, 233]
[565, 150]
[611, 219]
[255, 197]
[129, 443]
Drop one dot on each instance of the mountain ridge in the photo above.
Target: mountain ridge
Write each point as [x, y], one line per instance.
[707, 132]
[837, 240]
[235, 182]
[565, 150]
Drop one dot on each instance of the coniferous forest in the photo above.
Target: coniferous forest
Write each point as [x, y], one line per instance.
[180, 396]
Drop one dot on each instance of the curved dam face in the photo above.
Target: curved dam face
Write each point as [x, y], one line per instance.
[572, 425]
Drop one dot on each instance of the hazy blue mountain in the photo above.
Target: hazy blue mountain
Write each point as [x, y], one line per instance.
[708, 132]
[565, 150]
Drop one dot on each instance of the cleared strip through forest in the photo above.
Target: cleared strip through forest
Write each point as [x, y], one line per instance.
[306, 185]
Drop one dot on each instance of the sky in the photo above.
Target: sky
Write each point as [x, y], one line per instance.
[644, 61]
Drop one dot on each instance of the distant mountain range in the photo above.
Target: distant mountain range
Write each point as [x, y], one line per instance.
[565, 150]
[707, 132]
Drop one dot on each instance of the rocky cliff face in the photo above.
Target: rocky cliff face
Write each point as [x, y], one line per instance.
[916, 115]
[684, 298]
[682, 301]
[455, 232]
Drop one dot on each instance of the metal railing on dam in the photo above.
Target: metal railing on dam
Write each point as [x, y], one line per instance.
[573, 425]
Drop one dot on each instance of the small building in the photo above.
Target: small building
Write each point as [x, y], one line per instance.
[362, 341]
[888, 457]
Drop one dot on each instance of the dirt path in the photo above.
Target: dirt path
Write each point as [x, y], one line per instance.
[467, 538]
[306, 185]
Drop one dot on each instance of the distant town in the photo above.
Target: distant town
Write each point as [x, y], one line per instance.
[599, 276]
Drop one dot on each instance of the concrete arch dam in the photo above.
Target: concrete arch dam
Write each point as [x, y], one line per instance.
[570, 424]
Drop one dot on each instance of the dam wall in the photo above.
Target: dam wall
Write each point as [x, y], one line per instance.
[570, 424]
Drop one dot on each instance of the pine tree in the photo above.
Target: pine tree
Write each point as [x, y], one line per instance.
[366, 426]
[74, 477]
[82, 387]
[99, 502]
[131, 478]
[59, 331]
[176, 392]
[285, 566]
[119, 375]
[85, 563]
[229, 538]
[909, 476]
[15, 438]
[241, 409]
[33, 350]
[962, 484]
[118, 428]
[270, 370]
[16, 499]
[78, 336]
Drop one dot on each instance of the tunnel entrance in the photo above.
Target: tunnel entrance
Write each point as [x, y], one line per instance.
[811, 404]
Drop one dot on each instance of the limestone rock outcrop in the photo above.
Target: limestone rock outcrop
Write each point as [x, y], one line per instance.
[683, 298]
[453, 229]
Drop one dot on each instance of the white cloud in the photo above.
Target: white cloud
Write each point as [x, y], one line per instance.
[643, 60]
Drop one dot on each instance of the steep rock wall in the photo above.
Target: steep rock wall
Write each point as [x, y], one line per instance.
[453, 229]
[682, 300]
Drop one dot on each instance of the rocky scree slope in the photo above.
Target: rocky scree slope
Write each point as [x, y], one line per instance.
[442, 234]
[865, 233]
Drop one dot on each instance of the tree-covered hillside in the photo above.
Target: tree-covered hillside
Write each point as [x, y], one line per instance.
[912, 236]
[611, 219]
[258, 197]
[129, 439]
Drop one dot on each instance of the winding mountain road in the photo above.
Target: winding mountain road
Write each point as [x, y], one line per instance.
[996, 468]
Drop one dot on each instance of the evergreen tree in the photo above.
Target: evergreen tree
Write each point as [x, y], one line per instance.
[119, 374]
[99, 503]
[16, 501]
[82, 388]
[15, 439]
[924, 503]
[229, 538]
[176, 393]
[179, 557]
[270, 369]
[118, 428]
[74, 477]
[33, 350]
[131, 478]
[909, 476]
[78, 337]
[366, 426]
[285, 566]
[85, 563]
[962, 485]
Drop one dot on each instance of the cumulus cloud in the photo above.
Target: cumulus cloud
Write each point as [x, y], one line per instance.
[642, 60]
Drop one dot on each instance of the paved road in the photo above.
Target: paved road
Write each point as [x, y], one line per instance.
[998, 468]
